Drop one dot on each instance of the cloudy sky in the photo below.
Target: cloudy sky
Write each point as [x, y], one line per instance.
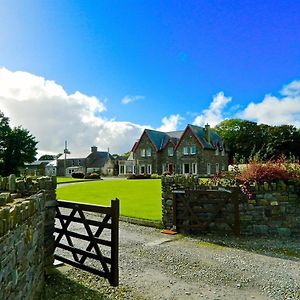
[99, 72]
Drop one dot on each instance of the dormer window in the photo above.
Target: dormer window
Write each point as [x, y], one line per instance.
[185, 150]
[170, 151]
[143, 152]
[148, 152]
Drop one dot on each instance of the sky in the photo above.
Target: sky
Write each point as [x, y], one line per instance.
[99, 72]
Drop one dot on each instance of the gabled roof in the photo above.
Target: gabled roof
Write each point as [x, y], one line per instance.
[159, 139]
[199, 134]
[98, 159]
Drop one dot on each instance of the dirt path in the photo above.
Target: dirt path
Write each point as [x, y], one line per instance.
[158, 266]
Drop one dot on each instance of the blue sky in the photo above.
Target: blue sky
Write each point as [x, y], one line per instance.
[161, 64]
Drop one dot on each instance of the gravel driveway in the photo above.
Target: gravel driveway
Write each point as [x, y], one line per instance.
[158, 266]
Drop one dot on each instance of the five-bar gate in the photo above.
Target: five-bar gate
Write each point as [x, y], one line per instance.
[78, 233]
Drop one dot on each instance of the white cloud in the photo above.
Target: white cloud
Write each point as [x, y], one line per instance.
[128, 99]
[277, 110]
[170, 123]
[213, 115]
[53, 116]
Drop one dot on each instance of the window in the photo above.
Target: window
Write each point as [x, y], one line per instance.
[79, 162]
[149, 169]
[223, 152]
[223, 167]
[148, 152]
[122, 169]
[164, 168]
[143, 152]
[142, 169]
[185, 150]
[194, 168]
[208, 171]
[73, 162]
[193, 149]
[217, 168]
[134, 169]
[186, 168]
[170, 151]
[217, 151]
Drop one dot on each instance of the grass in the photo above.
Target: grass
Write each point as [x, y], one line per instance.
[138, 198]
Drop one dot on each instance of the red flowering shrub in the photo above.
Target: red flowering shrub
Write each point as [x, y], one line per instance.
[265, 172]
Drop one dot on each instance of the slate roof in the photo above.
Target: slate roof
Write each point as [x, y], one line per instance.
[98, 159]
[215, 139]
[158, 138]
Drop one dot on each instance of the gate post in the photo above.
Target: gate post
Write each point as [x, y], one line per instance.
[114, 280]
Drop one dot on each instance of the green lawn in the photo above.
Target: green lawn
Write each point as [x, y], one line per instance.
[138, 198]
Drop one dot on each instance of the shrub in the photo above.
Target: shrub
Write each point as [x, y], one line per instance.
[77, 175]
[155, 176]
[92, 176]
[141, 176]
[265, 172]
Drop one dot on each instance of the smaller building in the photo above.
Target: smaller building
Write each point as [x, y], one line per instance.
[96, 161]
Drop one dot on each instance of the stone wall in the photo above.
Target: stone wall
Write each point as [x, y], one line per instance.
[27, 210]
[274, 209]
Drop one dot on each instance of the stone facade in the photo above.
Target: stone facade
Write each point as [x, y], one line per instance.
[274, 210]
[27, 211]
[202, 162]
[196, 150]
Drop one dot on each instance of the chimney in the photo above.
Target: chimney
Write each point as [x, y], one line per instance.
[207, 133]
[93, 149]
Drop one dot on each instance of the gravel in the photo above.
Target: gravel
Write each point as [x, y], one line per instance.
[158, 266]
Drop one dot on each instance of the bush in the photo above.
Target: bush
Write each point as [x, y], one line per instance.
[92, 176]
[141, 176]
[78, 175]
[265, 172]
[155, 176]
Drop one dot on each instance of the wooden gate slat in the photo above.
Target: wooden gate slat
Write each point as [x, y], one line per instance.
[93, 239]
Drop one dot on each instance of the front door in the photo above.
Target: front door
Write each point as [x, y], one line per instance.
[170, 168]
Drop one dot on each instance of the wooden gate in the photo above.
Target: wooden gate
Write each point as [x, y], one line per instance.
[78, 234]
[197, 211]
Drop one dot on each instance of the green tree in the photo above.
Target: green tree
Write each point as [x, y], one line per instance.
[17, 146]
[241, 136]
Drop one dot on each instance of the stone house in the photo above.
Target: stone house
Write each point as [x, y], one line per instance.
[95, 161]
[196, 150]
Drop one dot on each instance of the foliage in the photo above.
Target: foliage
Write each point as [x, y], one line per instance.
[248, 140]
[17, 147]
[139, 176]
[138, 198]
[92, 176]
[155, 176]
[77, 175]
[47, 157]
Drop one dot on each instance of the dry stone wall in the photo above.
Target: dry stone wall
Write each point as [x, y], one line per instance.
[27, 210]
[274, 209]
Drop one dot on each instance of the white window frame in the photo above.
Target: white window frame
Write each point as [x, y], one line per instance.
[223, 152]
[208, 169]
[148, 152]
[194, 168]
[149, 169]
[143, 152]
[183, 168]
[193, 149]
[185, 150]
[217, 168]
[170, 151]
[223, 167]
[217, 151]
[164, 167]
